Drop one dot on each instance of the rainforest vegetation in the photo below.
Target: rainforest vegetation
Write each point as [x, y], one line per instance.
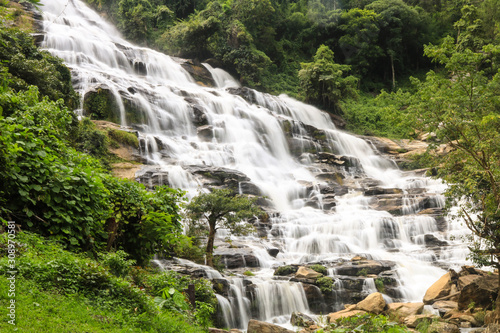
[389, 67]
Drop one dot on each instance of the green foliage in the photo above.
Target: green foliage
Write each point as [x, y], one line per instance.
[51, 280]
[325, 284]
[27, 65]
[221, 209]
[461, 106]
[367, 323]
[141, 222]
[325, 82]
[126, 138]
[117, 262]
[86, 138]
[385, 115]
[48, 186]
[285, 270]
[319, 268]
[379, 284]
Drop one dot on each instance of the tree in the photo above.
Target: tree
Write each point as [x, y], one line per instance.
[462, 107]
[221, 209]
[324, 81]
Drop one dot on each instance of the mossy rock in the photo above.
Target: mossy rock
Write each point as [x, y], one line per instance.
[102, 104]
[319, 268]
[325, 284]
[285, 270]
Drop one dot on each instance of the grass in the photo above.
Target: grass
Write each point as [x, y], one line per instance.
[60, 291]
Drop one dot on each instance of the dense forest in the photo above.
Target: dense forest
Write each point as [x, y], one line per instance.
[322, 51]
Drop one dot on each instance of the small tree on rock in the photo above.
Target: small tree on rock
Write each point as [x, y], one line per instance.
[221, 209]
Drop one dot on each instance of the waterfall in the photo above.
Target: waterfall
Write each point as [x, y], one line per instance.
[331, 195]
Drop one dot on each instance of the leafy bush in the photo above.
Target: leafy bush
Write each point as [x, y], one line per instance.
[319, 268]
[285, 270]
[325, 284]
[117, 262]
[27, 65]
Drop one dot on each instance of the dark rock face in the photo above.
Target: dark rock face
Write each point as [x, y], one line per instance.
[236, 257]
[363, 267]
[482, 291]
[433, 241]
[301, 320]
[198, 72]
[315, 298]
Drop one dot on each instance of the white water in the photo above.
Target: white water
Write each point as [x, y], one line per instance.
[249, 138]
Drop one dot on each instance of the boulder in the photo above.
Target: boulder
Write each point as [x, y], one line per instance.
[315, 298]
[301, 320]
[465, 280]
[413, 321]
[374, 303]
[442, 327]
[255, 326]
[445, 306]
[273, 252]
[306, 273]
[405, 309]
[482, 292]
[363, 267]
[440, 288]
[432, 241]
[333, 317]
[205, 132]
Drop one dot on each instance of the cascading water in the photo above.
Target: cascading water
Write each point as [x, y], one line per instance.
[274, 147]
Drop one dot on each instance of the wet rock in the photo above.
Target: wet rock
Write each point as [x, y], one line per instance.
[482, 292]
[198, 72]
[236, 258]
[244, 92]
[439, 289]
[199, 115]
[380, 190]
[140, 67]
[337, 160]
[315, 298]
[374, 303]
[301, 320]
[437, 214]
[205, 132]
[432, 241]
[273, 252]
[363, 267]
[255, 326]
[445, 306]
[221, 286]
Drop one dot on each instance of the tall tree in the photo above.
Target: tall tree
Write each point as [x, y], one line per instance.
[325, 82]
[221, 209]
[462, 106]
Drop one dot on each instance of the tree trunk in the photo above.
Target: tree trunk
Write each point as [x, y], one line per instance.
[210, 244]
[496, 314]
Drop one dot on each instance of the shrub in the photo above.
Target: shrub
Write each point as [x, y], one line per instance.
[319, 268]
[285, 270]
[325, 284]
